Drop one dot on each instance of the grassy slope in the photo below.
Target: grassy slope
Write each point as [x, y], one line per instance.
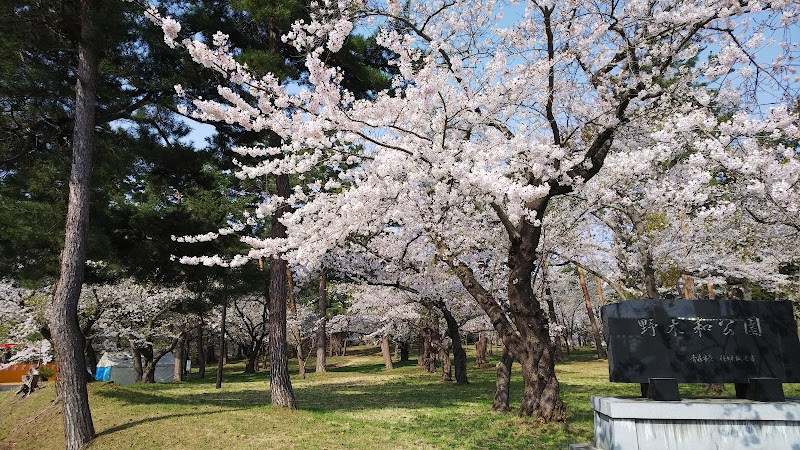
[355, 405]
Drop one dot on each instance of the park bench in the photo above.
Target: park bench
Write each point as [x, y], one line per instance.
[29, 382]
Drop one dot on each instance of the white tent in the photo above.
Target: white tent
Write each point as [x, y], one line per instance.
[118, 367]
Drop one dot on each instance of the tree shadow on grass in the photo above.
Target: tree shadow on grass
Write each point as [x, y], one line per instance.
[223, 398]
[369, 368]
[134, 423]
[409, 393]
[401, 393]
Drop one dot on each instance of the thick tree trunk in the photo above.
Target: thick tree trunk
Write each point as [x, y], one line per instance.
[426, 356]
[201, 355]
[528, 337]
[252, 356]
[503, 381]
[404, 350]
[179, 365]
[387, 354]
[649, 275]
[689, 290]
[480, 350]
[149, 372]
[598, 342]
[138, 371]
[322, 306]
[459, 354]
[280, 385]
[64, 327]
[222, 353]
[444, 358]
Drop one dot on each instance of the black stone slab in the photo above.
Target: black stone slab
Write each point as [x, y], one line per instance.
[701, 341]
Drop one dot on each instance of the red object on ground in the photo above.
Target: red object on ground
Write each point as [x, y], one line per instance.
[7, 345]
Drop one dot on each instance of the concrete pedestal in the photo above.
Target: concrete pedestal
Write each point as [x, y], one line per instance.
[696, 424]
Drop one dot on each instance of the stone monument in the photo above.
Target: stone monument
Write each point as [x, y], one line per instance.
[660, 343]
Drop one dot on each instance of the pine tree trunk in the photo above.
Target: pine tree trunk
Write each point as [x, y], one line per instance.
[503, 381]
[387, 354]
[598, 342]
[201, 355]
[280, 385]
[64, 328]
[322, 342]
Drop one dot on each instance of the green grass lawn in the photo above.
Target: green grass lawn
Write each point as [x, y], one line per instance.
[355, 405]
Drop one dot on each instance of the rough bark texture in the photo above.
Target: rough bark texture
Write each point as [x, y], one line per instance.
[280, 385]
[503, 381]
[598, 341]
[138, 372]
[690, 292]
[322, 309]
[443, 352]
[65, 330]
[528, 338]
[387, 354]
[480, 350]
[459, 354]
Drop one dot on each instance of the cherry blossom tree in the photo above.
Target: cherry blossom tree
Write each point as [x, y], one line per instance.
[147, 317]
[23, 318]
[247, 326]
[498, 109]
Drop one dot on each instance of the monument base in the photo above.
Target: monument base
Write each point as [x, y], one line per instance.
[638, 423]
